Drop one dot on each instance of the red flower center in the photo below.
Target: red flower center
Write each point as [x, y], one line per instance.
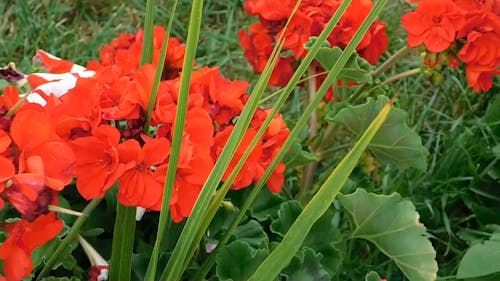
[436, 19]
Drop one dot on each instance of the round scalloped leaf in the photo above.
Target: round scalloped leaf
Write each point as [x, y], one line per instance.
[392, 224]
[306, 266]
[394, 142]
[238, 260]
[372, 276]
[481, 259]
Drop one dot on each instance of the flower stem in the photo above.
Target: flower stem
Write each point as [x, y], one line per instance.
[392, 60]
[313, 131]
[72, 235]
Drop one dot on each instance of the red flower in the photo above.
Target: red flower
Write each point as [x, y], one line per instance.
[378, 43]
[141, 185]
[480, 78]
[297, 34]
[434, 23]
[23, 238]
[270, 9]
[481, 49]
[34, 136]
[97, 161]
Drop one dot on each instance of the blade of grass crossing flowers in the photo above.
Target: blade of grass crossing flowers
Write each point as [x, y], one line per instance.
[175, 265]
[147, 42]
[159, 70]
[124, 229]
[219, 195]
[277, 105]
[283, 253]
[180, 119]
[164, 217]
[187, 245]
[305, 116]
[72, 235]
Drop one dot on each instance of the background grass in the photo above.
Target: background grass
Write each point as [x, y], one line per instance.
[456, 197]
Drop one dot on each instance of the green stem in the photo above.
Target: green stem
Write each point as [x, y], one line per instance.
[159, 71]
[402, 75]
[310, 168]
[392, 60]
[123, 244]
[147, 42]
[180, 119]
[72, 235]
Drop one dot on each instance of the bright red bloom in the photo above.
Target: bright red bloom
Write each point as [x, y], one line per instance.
[257, 45]
[378, 43]
[141, 185]
[34, 135]
[434, 23]
[270, 9]
[481, 49]
[97, 161]
[480, 78]
[297, 34]
[23, 238]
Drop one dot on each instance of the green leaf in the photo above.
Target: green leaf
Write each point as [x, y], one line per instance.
[41, 255]
[252, 233]
[357, 69]
[372, 276]
[492, 115]
[266, 205]
[321, 201]
[395, 142]
[481, 259]
[392, 224]
[306, 266]
[298, 157]
[287, 214]
[53, 278]
[237, 261]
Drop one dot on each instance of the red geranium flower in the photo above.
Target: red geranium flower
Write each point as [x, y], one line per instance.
[22, 238]
[434, 23]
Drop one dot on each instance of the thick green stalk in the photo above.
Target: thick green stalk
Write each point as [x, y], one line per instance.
[72, 235]
[124, 229]
[120, 267]
[147, 42]
[159, 71]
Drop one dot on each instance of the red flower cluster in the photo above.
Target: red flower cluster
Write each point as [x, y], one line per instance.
[35, 164]
[473, 26]
[309, 20]
[87, 123]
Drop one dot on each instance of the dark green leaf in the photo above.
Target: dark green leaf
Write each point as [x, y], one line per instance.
[481, 259]
[372, 276]
[252, 233]
[395, 142]
[298, 157]
[357, 69]
[306, 266]
[53, 278]
[392, 224]
[238, 260]
[287, 214]
[266, 205]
